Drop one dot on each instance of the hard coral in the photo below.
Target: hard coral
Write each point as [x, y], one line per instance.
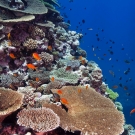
[46, 57]
[89, 112]
[30, 44]
[10, 101]
[62, 75]
[39, 119]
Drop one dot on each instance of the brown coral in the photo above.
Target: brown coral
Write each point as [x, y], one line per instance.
[89, 112]
[46, 57]
[10, 101]
[30, 43]
[53, 85]
[36, 31]
[39, 119]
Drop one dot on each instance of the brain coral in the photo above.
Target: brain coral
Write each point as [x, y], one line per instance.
[39, 119]
[62, 75]
[89, 112]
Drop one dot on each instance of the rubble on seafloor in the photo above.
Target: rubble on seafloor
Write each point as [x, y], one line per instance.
[54, 89]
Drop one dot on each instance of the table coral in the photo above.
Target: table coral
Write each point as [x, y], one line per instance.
[89, 112]
[10, 101]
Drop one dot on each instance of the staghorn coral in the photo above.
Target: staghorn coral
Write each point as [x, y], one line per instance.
[10, 101]
[30, 44]
[46, 57]
[62, 75]
[39, 119]
[89, 112]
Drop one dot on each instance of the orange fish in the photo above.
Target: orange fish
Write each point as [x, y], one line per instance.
[49, 48]
[37, 79]
[79, 90]
[125, 88]
[86, 87]
[15, 74]
[8, 36]
[52, 79]
[12, 56]
[115, 87]
[9, 43]
[36, 56]
[132, 111]
[80, 57]
[83, 62]
[59, 91]
[31, 66]
[68, 68]
[64, 101]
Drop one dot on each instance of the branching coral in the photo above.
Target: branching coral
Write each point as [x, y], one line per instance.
[89, 112]
[30, 43]
[62, 75]
[46, 57]
[10, 101]
[39, 119]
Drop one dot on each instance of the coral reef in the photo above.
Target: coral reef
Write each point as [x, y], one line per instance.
[10, 101]
[41, 57]
[89, 112]
[39, 119]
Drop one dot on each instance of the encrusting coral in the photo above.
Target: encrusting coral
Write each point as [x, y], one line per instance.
[10, 101]
[39, 119]
[89, 112]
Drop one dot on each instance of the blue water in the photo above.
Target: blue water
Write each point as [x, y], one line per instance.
[114, 22]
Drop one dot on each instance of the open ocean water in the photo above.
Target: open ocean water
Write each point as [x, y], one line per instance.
[108, 27]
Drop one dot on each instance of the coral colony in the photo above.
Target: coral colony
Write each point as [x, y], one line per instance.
[47, 86]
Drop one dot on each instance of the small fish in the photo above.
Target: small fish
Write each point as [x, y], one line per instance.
[95, 54]
[79, 90]
[83, 62]
[9, 43]
[111, 72]
[12, 87]
[52, 79]
[12, 56]
[8, 35]
[15, 74]
[37, 79]
[120, 84]
[31, 66]
[115, 87]
[64, 101]
[36, 56]
[49, 48]
[68, 68]
[59, 91]
[125, 88]
[132, 111]
[90, 29]
[127, 61]
[87, 87]
[80, 57]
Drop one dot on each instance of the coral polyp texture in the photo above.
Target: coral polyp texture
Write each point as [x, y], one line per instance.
[10, 101]
[41, 66]
[89, 112]
[39, 119]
